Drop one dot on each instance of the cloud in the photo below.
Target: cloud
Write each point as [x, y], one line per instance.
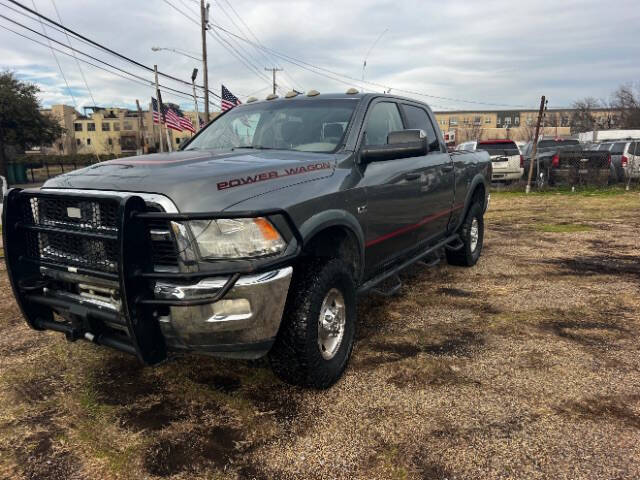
[494, 51]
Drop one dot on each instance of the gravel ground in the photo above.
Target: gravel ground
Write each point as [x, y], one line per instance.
[526, 366]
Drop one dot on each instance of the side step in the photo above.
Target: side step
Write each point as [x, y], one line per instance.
[388, 287]
[393, 272]
[455, 245]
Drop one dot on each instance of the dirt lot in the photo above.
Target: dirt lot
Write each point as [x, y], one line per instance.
[527, 366]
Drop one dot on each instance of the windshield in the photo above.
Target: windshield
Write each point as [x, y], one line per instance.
[303, 125]
[499, 148]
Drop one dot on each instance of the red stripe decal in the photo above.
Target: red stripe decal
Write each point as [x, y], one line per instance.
[410, 228]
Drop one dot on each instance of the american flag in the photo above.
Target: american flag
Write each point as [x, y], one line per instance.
[172, 119]
[229, 100]
[156, 110]
[186, 124]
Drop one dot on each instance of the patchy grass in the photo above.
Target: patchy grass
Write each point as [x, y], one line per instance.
[562, 228]
[525, 366]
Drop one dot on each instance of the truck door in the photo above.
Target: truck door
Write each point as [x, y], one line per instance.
[436, 183]
[392, 190]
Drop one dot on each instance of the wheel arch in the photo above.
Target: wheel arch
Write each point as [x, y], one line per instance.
[325, 231]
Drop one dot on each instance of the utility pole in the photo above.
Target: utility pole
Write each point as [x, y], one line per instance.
[274, 70]
[140, 129]
[195, 97]
[534, 149]
[160, 115]
[204, 20]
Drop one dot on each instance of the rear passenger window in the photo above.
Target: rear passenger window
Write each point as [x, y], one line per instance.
[634, 148]
[418, 118]
[383, 119]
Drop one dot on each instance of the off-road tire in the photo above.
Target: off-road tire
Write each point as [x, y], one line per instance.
[295, 356]
[465, 256]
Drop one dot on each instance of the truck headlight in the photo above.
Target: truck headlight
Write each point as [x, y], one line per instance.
[236, 238]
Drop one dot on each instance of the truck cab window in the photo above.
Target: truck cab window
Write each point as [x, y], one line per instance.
[418, 118]
[383, 119]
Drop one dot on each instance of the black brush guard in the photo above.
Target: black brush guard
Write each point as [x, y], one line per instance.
[134, 272]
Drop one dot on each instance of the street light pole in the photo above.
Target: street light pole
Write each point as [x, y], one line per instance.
[195, 97]
[204, 14]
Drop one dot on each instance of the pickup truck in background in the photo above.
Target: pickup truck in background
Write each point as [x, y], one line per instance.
[505, 157]
[256, 238]
[565, 161]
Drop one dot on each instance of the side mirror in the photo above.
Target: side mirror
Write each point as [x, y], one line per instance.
[400, 144]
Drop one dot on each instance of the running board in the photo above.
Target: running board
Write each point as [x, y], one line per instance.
[370, 284]
[384, 290]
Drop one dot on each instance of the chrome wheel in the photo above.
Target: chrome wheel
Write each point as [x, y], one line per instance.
[473, 234]
[331, 323]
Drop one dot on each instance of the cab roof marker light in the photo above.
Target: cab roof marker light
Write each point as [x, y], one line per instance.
[272, 96]
[291, 94]
[313, 93]
[352, 91]
[252, 99]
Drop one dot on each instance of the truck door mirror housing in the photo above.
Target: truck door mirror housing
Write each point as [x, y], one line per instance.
[400, 144]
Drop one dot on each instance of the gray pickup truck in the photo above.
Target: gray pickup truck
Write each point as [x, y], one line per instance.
[256, 238]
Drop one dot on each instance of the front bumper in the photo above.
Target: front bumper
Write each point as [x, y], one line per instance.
[243, 324]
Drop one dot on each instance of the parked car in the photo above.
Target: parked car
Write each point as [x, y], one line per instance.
[630, 160]
[619, 151]
[254, 239]
[505, 157]
[565, 161]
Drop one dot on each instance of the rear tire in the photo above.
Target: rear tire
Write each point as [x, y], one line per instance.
[316, 336]
[472, 235]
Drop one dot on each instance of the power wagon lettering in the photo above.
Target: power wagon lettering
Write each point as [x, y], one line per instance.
[261, 177]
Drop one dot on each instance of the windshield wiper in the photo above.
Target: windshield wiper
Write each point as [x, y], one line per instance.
[255, 147]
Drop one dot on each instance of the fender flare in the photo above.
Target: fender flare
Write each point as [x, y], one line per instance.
[334, 218]
[477, 180]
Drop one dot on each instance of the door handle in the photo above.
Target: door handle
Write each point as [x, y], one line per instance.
[412, 176]
[447, 168]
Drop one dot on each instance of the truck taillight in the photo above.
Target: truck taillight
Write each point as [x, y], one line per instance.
[521, 161]
[555, 161]
[609, 159]
[624, 161]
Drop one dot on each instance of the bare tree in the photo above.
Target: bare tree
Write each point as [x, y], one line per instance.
[582, 118]
[626, 101]
[473, 132]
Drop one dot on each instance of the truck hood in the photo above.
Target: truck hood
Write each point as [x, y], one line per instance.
[202, 181]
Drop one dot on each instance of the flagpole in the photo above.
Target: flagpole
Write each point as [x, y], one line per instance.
[155, 69]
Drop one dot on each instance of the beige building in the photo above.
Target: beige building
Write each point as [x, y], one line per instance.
[115, 131]
[464, 125]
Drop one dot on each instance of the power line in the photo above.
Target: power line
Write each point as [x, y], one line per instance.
[137, 79]
[268, 58]
[313, 68]
[44, 31]
[220, 41]
[99, 45]
[86, 84]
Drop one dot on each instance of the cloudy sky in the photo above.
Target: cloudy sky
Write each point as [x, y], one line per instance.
[506, 53]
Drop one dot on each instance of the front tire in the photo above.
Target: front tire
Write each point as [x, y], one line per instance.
[472, 235]
[316, 336]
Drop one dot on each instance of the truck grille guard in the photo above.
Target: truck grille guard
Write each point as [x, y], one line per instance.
[108, 237]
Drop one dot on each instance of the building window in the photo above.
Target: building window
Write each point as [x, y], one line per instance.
[453, 121]
[116, 126]
[127, 126]
[91, 127]
[106, 127]
[477, 120]
[565, 120]
[110, 141]
[177, 141]
[507, 120]
[487, 120]
[77, 141]
[88, 141]
[517, 120]
[529, 121]
[77, 127]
